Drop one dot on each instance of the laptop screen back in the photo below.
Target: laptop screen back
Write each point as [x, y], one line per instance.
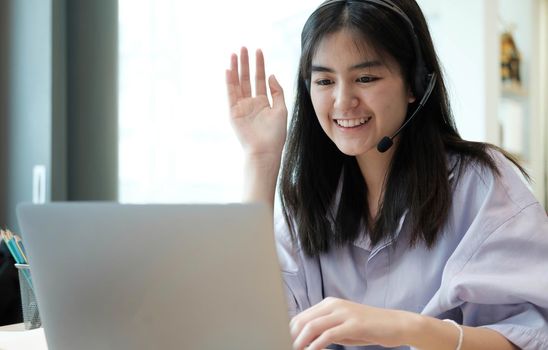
[114, 276]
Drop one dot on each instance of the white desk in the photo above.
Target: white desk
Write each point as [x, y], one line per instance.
[15, 337]
[13, 327]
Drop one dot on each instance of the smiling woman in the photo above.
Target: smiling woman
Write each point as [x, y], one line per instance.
[420, 243]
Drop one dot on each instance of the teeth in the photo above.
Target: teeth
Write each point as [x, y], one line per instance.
[350, 123]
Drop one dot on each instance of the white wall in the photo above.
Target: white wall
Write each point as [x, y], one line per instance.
[465, 41]
[466, 34]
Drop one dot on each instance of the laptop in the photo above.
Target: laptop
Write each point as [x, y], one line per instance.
[120, 276]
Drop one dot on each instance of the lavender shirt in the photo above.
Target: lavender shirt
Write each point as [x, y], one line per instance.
[489, 267]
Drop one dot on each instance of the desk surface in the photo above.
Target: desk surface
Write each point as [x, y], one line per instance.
[15, 337]
[13, 327]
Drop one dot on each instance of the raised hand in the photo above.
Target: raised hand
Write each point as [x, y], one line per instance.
[260, 127]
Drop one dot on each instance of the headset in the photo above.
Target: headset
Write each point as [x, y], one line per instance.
[424, 81]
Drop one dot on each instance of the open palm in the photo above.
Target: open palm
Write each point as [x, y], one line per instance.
[260, 127]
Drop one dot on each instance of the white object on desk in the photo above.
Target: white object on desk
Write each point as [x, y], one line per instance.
[39, 184]
[14, 338]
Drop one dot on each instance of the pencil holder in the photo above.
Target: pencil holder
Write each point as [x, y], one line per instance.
[31, 316]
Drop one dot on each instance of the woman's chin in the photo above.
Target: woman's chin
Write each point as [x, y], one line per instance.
[354, 150]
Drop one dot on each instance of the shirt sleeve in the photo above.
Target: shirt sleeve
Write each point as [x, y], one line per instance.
[498, 275]
[504, 285]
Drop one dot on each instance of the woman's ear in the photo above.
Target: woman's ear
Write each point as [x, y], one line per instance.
[410, 96]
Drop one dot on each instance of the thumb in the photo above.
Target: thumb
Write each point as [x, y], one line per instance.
[277, 93]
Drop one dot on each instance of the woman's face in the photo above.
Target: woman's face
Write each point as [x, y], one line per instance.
[358, 98]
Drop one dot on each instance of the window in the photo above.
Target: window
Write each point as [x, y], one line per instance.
[175, 140]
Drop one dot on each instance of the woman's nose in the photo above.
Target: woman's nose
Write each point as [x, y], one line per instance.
[345, 99]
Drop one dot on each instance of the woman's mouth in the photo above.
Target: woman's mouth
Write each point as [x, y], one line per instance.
[352, 123]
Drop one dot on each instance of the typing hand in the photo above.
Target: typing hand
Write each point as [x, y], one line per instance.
[337, 321]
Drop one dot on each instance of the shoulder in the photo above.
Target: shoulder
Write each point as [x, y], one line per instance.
[495, 223]
[478, 184]
[488, 204]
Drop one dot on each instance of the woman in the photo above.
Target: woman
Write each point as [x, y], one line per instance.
[432, 242]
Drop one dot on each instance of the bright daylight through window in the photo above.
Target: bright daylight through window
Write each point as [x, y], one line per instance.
[176, 143]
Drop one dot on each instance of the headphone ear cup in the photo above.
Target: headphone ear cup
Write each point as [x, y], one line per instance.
[421, 81]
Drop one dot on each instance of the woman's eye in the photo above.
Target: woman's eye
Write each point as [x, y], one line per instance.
[366, 79]
[323, 82]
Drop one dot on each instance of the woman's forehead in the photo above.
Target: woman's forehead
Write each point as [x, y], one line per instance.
[346, 43]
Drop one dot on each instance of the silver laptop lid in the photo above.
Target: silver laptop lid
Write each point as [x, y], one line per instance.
[113, 276]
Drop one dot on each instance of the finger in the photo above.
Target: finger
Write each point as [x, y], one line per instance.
[260, 81]
[278, 100]
[244, 73]
[332, 335]
[298, 326]
[322, 308]
[234, 69]
[231, 89]
[233, 82]
[315, 329]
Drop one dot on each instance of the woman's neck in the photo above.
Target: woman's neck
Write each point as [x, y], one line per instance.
[374, 167]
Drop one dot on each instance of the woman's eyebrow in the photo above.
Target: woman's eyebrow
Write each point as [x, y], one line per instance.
[365, 64]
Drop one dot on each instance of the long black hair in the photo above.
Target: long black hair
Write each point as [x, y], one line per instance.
[418, 182]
